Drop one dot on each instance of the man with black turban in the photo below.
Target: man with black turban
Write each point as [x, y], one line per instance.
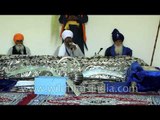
[117, 48]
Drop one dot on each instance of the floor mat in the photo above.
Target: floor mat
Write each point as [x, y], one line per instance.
[97, 99]
[11, 98]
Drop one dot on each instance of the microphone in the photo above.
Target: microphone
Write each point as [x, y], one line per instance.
[100, 50]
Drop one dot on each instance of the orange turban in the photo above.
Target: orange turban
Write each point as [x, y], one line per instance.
[18, 36]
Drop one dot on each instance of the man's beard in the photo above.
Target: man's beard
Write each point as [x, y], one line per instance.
[20, 48]
[119, 49]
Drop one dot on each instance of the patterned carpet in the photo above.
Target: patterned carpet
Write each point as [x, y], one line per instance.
[84, 99]
[97, 99]
[11, 98]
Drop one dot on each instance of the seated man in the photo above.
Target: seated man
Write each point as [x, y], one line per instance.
[117, 48]
[68, 48]
[19, 48]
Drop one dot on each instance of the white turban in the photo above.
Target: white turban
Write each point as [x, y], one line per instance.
[67, 33]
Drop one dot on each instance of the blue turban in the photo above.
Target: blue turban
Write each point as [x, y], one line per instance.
[116, 35]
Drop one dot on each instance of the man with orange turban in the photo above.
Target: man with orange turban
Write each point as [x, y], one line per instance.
[19, 48]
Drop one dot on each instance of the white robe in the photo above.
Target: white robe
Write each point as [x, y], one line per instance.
[61, 51]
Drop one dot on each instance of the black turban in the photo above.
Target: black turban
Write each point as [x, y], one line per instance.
[116, 35]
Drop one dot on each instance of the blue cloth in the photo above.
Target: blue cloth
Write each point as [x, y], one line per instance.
[145, 80]
[50, 85]
[6, 85]
[111, 51]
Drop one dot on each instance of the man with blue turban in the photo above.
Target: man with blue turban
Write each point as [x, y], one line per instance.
[117, 48]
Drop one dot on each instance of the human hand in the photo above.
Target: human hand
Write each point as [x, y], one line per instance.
[72, 46]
